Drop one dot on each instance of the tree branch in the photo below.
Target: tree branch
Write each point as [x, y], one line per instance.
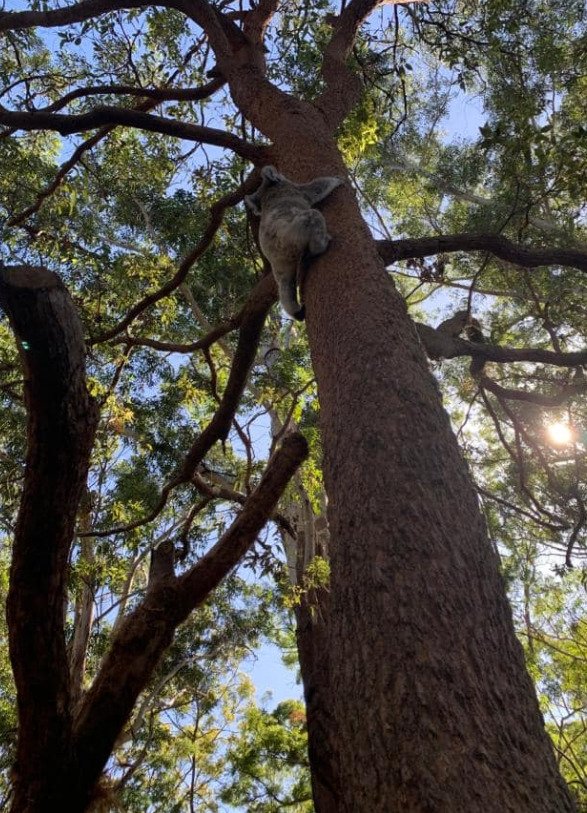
[156, 94]
[148, 630]
[343, 86]
[258, 18]
[105, 115]
[252, 320]
[393, 250]
[566, 392]
[441, 345]
[252, 323]
[62, 419]
[76, 13]
[216, 214]
[179, 347]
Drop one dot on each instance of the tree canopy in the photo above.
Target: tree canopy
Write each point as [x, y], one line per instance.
[161, 435]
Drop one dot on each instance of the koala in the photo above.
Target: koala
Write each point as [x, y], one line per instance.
[291, 231]
[463, 322]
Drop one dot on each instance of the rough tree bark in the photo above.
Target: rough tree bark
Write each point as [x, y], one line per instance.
[431, 704]
[62, 419]
[433, 707]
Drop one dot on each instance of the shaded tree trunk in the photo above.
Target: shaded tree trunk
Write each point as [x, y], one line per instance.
[312, 629]
[62, 419]
[312, 615]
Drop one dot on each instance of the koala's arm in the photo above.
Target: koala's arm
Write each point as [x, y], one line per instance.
[318, 189]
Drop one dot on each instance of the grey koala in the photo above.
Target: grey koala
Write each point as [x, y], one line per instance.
[291, 231]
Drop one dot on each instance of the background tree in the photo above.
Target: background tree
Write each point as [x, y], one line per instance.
[416, 692]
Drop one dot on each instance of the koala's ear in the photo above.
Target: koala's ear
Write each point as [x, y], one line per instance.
[253, 202]
[320, 188]
[270, 174]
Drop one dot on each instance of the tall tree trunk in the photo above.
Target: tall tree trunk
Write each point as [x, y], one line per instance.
[431, 704]
[62, 420]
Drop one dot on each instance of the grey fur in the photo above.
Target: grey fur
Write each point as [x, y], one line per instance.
[291, 230]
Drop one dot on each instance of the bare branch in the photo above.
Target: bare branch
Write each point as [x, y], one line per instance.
[393, 250]
[105, 115]
[219, 490]
[178, 347]
[76, 13]
[216, 215]
[163, 94]
[552, 526]
[441, 345]
[566, 392]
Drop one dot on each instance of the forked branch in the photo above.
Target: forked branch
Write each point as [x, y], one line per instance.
[148, 630]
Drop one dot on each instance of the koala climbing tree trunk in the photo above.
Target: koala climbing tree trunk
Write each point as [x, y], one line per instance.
[291, 232]
[448, 720]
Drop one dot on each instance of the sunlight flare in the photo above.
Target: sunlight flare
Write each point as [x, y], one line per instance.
[560, 433]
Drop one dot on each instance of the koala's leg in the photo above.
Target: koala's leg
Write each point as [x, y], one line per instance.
[318, 237]
[286, 278]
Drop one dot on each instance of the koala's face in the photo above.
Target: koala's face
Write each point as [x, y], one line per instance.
[277, 190]
[274, 190]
